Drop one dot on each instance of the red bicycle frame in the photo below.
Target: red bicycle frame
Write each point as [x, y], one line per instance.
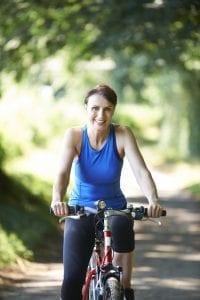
[100, 262]
[91, 273]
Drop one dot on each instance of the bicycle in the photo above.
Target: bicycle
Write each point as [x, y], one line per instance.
[104, 280]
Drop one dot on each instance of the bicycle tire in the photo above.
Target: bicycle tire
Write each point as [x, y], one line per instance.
[112, 289]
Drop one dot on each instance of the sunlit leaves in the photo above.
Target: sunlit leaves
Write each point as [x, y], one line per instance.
[41, 28]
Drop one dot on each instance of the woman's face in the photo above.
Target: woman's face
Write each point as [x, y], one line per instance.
[99, 111]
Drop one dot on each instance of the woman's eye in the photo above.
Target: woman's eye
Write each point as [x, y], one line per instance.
[106, 109]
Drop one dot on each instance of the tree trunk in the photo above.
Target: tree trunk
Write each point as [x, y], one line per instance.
[192, 84]
[180, 131]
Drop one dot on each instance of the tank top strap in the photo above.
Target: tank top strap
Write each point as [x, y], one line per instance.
[84, 137]
[112, 129]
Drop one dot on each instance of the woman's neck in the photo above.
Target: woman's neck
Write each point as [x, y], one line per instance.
[97, 138]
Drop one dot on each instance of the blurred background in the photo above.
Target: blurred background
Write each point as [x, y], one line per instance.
[52, 52]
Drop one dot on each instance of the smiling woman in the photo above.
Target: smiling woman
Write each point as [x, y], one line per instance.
[100, 112]
[97, 150]
[100, 109]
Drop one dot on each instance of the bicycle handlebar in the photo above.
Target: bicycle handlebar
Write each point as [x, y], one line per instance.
[137, 213]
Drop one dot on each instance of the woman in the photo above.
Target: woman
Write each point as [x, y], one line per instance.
[97, 150]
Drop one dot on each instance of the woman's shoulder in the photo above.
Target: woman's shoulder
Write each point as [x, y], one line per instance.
[74, 131]
[73, 135]
[122, 134]
[121, 129]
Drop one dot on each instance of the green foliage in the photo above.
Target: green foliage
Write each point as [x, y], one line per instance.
[32, 31]
[126, 118]
[143, 38]
[194, 189]
[143, 120]
[11, 246]
[2, 152]
[25, 219]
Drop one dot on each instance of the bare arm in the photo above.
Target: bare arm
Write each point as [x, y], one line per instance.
[141, 172]
[69, 151]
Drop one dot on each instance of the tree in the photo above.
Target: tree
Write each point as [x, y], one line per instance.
[32, 30]
[165, 32]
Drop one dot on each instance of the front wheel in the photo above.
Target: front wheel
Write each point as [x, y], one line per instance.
[112, 289]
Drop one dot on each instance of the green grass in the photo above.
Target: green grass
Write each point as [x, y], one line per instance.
[26, 224]
[194, 189]
[12, 246]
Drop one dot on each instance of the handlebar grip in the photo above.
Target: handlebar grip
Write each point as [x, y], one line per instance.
[164, 212]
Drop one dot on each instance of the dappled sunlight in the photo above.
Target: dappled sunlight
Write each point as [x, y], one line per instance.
[38, 275]
[144, 269]
[176, 238]
[177, 256]
[186, 284]
[40, 163]
[167, 248]
[194, 228]
[170, 179]
[175, 177]
[144, 236]
[183, 284]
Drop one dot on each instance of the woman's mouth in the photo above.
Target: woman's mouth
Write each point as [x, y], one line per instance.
[100, 122]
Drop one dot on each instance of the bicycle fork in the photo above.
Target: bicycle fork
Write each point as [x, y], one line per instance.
[107, 269]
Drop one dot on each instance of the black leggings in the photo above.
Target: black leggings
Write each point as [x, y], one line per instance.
[78, 244]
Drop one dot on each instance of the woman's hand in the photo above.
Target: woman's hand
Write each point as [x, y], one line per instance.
[154, 210]
[60, 209]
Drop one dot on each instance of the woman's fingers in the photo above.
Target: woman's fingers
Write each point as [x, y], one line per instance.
[60, 209]
[154, 211]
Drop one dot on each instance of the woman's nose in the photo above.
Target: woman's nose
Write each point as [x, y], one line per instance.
[101, 113]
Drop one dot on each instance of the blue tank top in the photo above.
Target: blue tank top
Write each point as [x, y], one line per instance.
[97, 174]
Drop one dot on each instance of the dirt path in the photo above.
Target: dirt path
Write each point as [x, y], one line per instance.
[166, 264]
[37, 281]
[168, 257]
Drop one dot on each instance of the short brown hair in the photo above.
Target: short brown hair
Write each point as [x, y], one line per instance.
[104, 90]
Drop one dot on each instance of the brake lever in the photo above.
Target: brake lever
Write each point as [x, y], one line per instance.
[153, 220]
